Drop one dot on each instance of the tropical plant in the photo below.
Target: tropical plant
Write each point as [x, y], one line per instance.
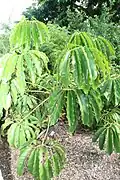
[82, 85]
[24, 74]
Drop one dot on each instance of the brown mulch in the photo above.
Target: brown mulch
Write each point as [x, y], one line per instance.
[84, 160]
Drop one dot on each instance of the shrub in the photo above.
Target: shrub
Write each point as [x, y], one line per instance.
[33, 99]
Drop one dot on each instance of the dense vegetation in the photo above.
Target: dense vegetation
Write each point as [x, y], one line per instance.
[50, 72]
[4, 39]
[56, 10]
[103, 21]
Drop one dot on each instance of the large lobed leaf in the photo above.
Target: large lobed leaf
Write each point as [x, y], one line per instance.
[27, 34]
[43, 162]
[20, 132]
[85, 65]
[86, 39]
[14, 70]
[109, 138]
[90, 106]
[111, 90]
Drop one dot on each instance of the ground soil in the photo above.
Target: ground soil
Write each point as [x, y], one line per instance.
[84, 159]
[5, 160]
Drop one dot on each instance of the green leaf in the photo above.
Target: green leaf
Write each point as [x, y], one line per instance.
[29, 102]
[22, 138]
[48, 166]
[71, 113]
[97, 134]
[28, 135]
[64, 69]
[77, 67]
[102, 63]
[15, 35]
[102, 139]
[75, 39]
[116, 87]
[107, 89]
[6, 124]
[11, 134]
[95, 101]
[55, 104]
[111, 90]
[4, 91]
[31, 161]
[116, 139]
[109, 140]
[36, 162]
[109, 48]
[61, 154]
[14, 92]
[43, 162]
[43, 32]
[37, 63]
[6, 101]
[56, 166]
[31, 130]
[84, 107]
[89, 39]
[82, 39]
[41, 59]
[10, 65]
[101, 46]
[17, 137]
[22, 159]
[35, 34]
[27, 34]
[91, 66]
[42, 170]
[30, 67]
[20, 79]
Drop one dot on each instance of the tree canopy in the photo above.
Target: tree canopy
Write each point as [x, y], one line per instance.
[51, 10]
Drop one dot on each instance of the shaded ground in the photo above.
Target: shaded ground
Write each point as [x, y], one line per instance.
[84, 160]
[5, 160]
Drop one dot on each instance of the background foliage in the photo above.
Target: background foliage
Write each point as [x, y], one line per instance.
[50, 10]
[4, 39]
[97, 17]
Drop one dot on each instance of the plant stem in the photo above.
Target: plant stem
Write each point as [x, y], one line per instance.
[47, 130]
[32, 96]
[36, 108]
[38, 91]
[38, 86]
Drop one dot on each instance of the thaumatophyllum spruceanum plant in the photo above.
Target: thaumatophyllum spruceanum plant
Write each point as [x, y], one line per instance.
[82, 84]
